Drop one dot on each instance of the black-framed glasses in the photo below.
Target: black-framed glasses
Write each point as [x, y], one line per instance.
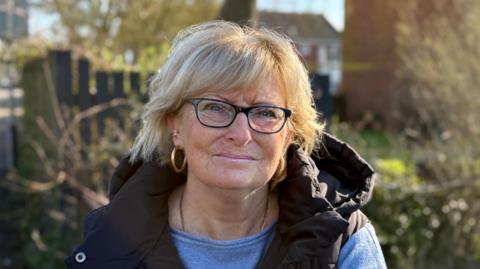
[265, 119]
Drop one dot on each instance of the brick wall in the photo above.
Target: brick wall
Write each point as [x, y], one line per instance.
[369, 58]
[370, 54]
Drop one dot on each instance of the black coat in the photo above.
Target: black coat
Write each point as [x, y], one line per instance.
[319, 210]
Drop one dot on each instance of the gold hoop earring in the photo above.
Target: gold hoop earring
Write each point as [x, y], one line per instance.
[174, 164]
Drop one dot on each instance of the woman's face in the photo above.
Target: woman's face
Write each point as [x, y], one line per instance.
[234, 157]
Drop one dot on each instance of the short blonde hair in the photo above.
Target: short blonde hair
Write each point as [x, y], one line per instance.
[220, 55]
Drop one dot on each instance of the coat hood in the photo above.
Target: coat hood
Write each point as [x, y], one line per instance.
[332, 178]
[318, 196]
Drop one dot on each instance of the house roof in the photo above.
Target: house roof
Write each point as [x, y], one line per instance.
[298, 25]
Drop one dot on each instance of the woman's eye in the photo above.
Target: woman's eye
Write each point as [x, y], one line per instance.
[267, 113]
[213, 107]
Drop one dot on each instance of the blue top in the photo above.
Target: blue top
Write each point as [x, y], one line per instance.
[201, 252]
[362, 250]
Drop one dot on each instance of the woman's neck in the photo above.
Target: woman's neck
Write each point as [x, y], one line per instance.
[221, 214]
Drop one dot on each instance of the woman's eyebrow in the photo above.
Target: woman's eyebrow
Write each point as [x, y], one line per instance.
[224, 99]
[265, 103]
[215, 97]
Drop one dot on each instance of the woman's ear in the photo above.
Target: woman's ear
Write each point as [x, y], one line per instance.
[173, 124]
[288, 141]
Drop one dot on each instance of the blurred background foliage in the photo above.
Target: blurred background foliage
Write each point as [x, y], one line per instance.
[422, 221]
[123, 33]
[425, 206]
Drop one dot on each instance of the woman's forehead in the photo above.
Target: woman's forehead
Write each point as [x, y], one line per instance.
[268, 92]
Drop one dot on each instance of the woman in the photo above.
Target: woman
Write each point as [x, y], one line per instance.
[231, 169]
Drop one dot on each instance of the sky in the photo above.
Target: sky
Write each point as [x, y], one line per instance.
[39, 22]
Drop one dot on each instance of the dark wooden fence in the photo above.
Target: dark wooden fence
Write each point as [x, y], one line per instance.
[109, 85]
[79, 89]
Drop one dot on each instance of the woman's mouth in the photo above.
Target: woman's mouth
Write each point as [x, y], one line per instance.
[236, 157]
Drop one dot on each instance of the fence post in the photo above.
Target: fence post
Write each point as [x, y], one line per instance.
[61, 62]
[135, 82]
[323, 101]
[101, 77]
[118, 92]
[62, 76]
[84, 98]
[85, 101]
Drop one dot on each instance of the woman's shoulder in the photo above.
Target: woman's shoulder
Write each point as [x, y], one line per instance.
[92, 218]
[356, 221]
[362, 250]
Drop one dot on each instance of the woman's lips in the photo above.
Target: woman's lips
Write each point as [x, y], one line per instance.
[238, 157]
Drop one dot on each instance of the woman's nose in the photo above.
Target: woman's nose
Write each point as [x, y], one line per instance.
[240, 132]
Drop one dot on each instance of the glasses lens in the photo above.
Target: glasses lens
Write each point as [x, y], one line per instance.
[215, 114]
[266, 119]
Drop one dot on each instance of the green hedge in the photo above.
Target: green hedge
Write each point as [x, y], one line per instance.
[422, 221]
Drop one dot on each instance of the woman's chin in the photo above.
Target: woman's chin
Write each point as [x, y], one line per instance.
[231, 175]
[237, 181]
[234, 184]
